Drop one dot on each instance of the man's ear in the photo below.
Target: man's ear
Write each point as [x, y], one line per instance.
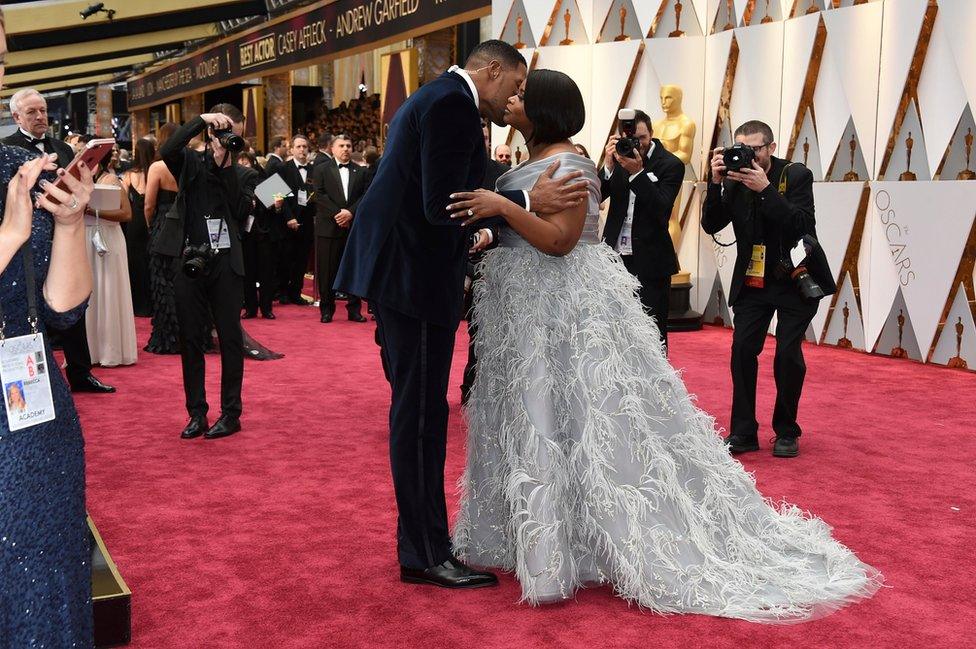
[772, 148]
[494, 70]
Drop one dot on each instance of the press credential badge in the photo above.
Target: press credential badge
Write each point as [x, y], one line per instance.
[25, 374]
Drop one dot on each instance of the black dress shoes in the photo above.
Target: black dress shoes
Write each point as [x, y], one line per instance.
[91, 384]
[223, 427]
[357, 317]
[268, 315]
[786, 447]
[738, 444]
[326, 318]
[196, 427]
[450, 574]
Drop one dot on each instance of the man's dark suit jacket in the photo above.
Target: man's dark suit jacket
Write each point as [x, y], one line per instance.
[51, 145]
[188, 168]
[654, 253]
[785, 219]
[289, 173]
[273, 165]
[404, 251]
[329, 197]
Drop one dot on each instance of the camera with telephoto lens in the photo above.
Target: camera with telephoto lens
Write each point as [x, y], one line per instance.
[196, 259]
[628, 145]
[230, 140]
[799, 273]
[738, 156]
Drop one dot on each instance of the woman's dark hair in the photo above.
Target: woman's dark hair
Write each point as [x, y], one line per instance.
[145, 153]
[554, 105]
[251, 158]
[164, 132]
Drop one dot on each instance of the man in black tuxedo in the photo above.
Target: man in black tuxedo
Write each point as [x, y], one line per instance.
[275, 159]
[642, 190]
[770, 206]
[259, 247]
[338, 189]
[299, 209]
[407, 256]
[324, 153]
[29, 110]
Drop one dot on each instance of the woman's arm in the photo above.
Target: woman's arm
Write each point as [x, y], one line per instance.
[124, 213]
[18, 216]
[152, 190]
[69, 278]
[554, 234]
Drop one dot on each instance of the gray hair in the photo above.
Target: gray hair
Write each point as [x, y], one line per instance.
[21, 95]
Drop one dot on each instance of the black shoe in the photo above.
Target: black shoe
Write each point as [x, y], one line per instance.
[196, 427]
[249, 313]
[268, 315]
[326, 318]
[91, 384]
[786, 447]
[300, 301]
[357, 317]
[450, 574]
[223, 427]
[738, 444]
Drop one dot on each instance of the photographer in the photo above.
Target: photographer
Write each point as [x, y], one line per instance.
[769, 202]
[642, 180]
[202, 234]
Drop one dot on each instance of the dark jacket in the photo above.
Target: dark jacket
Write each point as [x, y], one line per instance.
[778, 220]
[654, 253]
[330, 199]
[292, 210]
[51, 145]
[404, 251]
[189, 167]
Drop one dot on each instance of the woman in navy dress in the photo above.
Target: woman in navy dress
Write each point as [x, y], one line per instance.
[45, 571]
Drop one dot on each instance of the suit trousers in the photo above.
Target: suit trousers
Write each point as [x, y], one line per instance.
[218, 292]
[77, 356]
[261, 258]
[328, 254]
[655, 295]
[294, 262]
[418, 355]
[753, 311]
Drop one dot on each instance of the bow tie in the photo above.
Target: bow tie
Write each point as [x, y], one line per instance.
[35, 141]
[345, 165]
[305, 167]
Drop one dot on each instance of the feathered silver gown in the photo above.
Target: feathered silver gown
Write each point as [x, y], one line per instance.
[588, 462]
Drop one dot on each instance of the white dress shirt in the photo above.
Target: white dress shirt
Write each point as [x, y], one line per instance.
[344, 176]
[38, 145]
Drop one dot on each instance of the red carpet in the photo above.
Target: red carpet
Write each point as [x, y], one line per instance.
[282, 536]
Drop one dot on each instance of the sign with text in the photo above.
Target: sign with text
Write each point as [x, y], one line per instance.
[316, 32]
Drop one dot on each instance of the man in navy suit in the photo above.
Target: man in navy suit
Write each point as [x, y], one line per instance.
[407, 257]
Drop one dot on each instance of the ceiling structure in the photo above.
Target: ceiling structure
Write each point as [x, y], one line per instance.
[51, 47]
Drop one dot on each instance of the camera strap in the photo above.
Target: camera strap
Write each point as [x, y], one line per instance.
[782, 179]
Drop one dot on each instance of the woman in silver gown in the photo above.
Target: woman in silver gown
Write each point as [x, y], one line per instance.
[588, 461]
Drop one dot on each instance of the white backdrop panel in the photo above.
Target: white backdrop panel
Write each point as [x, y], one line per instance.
[836, 209]
[608, 88]
[948, 343]
[756, 91]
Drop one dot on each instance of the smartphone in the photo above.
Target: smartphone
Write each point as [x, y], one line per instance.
[92, 155]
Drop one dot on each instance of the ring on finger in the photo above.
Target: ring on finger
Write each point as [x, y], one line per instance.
[470, 212]
[74, 204]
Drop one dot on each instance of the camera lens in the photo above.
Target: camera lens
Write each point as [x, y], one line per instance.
[625, 147]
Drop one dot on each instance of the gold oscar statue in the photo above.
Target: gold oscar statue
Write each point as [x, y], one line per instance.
[899, 351]
[851, 176]
[967, 173]
[767, 18]
[813, 8]
[958, 361]
[677, 21]
[908, 173]
[676, 131]
[730, 11]
[844, 342]
[567, 18]
[518, 155]
[718, 319]
[623, 21]
[806, 150]
[519, 21]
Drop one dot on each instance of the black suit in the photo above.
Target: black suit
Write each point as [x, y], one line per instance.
[74, 339]
[330, 238]
[654, 260]
[778, 221]
[262, 255]
[272, 165]
[297, 243]
[407, 256]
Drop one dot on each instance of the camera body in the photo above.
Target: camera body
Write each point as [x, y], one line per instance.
[196, 259]
[738, 157]
[628, 145]
[230, 140]
[805, 283]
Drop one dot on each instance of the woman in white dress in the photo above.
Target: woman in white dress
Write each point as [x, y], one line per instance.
[110, 319]
[588, 461]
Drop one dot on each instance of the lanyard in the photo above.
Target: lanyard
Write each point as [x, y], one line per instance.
[31, 282]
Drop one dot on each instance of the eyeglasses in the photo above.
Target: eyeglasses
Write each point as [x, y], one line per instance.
[758, 148]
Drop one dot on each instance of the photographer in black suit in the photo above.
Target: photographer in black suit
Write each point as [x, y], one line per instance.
[770, 205]
[29, 110]
[642, 188]
[203, 236]
[299, 217]
[338, 187]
